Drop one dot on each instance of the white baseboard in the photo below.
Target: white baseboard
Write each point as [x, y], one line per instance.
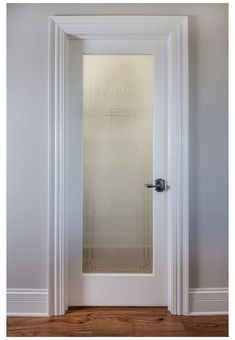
[208, 301]
[27, 302]
[34, 302]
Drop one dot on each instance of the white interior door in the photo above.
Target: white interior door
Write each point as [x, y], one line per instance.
[117, 143]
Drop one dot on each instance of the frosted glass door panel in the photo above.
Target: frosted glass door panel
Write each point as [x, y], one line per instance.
[117, 162]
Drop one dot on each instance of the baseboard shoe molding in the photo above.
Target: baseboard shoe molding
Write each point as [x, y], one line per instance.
[208, 301]
[27, 302]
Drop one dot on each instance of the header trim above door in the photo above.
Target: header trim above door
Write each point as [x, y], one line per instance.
[174, 30]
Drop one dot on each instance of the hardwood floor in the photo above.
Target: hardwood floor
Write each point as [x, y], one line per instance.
[118, 321]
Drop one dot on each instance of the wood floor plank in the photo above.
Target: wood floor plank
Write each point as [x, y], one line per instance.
[209, 326]
[118, 321]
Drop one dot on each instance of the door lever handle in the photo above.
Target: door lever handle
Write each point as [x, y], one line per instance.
[160, 185]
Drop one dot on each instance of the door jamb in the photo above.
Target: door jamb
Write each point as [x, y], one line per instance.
[174, 29]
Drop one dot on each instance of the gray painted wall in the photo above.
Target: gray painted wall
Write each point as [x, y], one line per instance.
[28, 136]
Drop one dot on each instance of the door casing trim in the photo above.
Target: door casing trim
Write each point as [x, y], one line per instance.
[173, 29]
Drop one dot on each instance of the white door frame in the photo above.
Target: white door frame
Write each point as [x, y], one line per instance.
[173, 29]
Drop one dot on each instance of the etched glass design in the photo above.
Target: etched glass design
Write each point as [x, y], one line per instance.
[117, 162]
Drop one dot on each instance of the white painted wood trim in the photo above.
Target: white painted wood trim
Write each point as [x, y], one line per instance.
[57, 269]
[174, 30]
[208, 301]
[27, 302]
[178, 219]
